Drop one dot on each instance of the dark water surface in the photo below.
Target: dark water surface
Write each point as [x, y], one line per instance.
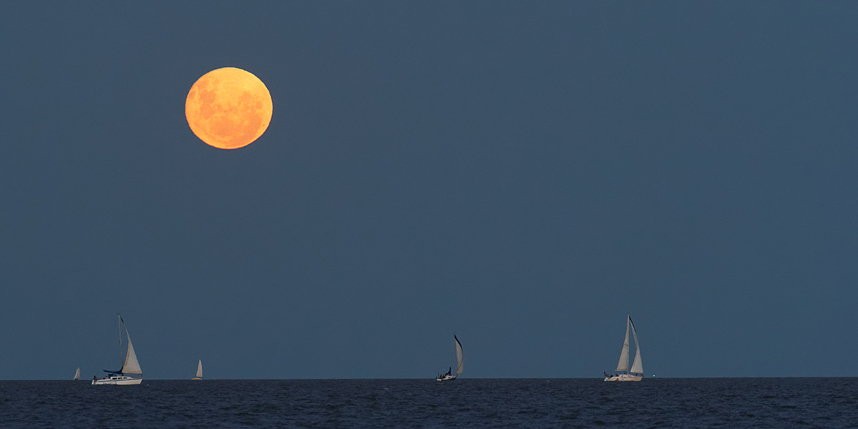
[744, 402]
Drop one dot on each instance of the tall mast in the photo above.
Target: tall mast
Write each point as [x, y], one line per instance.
[119, 329]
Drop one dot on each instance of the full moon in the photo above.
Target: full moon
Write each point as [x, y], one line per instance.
[228, 108]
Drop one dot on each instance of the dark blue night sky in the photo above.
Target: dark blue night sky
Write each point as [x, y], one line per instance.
[522, 174]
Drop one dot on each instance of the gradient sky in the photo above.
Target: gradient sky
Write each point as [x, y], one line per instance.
[522, 174]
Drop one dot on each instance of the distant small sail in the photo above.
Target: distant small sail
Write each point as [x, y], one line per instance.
[200, 368]
[77, 374]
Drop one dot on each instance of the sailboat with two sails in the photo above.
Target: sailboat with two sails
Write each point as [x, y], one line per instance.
[460, 363]
[199, 375]
[130, 365]
[636, 372]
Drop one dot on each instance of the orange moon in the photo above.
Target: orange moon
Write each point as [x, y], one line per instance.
[228, 108]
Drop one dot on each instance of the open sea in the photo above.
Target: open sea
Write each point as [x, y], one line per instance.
[470, 403]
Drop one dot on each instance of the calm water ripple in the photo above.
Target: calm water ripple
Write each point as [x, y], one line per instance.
[655, 403]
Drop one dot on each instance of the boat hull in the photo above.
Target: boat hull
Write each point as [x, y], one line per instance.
[446, 378]
[197, 379]
[117, 381]
[624, 377]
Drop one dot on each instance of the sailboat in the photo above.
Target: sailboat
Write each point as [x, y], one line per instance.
[623, 373]
[460, 362]
[76, 375]
[130, 365]
[199, 371]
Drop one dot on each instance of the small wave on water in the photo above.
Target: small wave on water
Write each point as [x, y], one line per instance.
[738, 402]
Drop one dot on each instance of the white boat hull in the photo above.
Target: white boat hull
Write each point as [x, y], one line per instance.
[117, 381]
[446, 378]
[624, 377]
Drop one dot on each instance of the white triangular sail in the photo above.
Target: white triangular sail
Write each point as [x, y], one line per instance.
[200, 369]
[623, 363]
[460, 356]
[637, 366]
[77, 374]
[131, 365]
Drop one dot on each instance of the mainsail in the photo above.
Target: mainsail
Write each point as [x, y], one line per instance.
[623, 363]
[637, 366]
[460, 358]
[131, 365]
[200, 369]
[77, 374]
